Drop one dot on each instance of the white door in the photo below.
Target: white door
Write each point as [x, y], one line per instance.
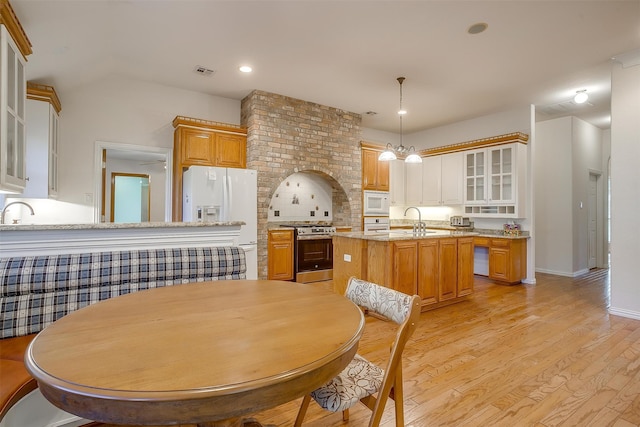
[593, 217]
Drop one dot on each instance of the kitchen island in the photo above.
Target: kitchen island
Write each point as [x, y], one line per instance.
[24, 240]
[437, 265]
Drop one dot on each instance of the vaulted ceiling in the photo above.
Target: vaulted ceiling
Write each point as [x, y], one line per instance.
[346, 54]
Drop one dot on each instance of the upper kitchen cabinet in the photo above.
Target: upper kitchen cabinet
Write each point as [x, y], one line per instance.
[495, 179]
[397, 182]
[14, 48]
[375, 174]
[442, 180]
[43, 107]
[199, 142]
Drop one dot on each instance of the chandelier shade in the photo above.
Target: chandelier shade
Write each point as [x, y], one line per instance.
[391, 152]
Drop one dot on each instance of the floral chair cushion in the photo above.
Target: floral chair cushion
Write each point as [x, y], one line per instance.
[360, 379]
[387, 302]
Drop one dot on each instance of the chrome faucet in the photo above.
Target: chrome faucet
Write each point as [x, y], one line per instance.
[14, 203]
[419, 227]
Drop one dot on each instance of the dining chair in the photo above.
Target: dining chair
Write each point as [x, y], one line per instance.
[361, 379]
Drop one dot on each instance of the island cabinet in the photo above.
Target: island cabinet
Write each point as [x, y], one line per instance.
[438, 269]
[204, 143]
[280, 255]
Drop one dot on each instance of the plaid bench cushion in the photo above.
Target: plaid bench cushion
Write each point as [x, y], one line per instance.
[35, 291]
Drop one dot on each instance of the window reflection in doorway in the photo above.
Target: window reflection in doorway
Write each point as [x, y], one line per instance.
[130, 201]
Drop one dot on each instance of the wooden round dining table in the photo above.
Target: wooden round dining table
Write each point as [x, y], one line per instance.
[200, 353]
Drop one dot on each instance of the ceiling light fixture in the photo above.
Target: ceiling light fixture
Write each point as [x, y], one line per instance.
[245, 69]
[389, 153]
[581, 96]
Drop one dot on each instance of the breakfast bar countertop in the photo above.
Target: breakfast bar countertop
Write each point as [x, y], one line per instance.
[111, 225]
[49, 239]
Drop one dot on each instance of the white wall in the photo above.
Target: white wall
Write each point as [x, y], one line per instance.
[381, 137]
[587, 158]
[567, 150]
[517, 120]
[121, 110]
[625, 190]
[553, 182]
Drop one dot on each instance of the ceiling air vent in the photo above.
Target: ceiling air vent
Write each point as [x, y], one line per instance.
[204, 71]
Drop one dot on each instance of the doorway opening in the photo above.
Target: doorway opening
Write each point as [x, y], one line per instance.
[130, 198]
[134, 159]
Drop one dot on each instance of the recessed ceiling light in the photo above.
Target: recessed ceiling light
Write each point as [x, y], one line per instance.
[245, 69]
[477, 28]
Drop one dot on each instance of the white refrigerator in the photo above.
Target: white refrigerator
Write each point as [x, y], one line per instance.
[213, 194]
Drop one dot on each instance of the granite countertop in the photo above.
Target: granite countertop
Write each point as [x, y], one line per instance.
[480, 232]
[112, 226]
[394, 235]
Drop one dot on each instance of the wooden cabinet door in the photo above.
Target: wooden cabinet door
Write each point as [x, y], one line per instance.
[428, 271]
[280, 254]
[382, 174]
[465, 266]
[375, 174]
[369, 169]
[405, 267]
[448, 271]
[198, 147]
[499, 260]
[231, 151]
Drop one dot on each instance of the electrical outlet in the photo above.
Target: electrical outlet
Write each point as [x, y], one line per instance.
[347, 257]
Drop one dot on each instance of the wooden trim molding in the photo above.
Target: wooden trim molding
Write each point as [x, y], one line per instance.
[181, 121]
[372, 146]
[9, 19]
[44, 93]
[508, 138]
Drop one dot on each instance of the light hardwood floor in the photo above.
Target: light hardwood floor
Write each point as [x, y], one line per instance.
[527, 355]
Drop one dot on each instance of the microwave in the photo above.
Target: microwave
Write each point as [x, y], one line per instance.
[375, 203]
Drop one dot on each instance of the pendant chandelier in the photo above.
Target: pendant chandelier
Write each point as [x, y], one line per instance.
[391, 152]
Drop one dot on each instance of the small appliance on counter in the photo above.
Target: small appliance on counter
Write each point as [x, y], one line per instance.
[460, 221]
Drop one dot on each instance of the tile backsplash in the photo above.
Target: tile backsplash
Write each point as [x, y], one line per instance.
[302, 197]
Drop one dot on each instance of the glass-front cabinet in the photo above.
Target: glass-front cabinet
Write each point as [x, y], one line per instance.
[475, 179]
[501, 175]
[495, 180]
[12, 115]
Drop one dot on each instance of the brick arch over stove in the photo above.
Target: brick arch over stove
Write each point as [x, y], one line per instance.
[341, 206]
[287, 135]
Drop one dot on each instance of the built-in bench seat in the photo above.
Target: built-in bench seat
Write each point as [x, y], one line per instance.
[35, 291]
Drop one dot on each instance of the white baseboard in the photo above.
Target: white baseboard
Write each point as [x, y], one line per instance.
[624, 313]
[562, 273]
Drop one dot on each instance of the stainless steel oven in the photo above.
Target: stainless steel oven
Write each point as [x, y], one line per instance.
[313, 252]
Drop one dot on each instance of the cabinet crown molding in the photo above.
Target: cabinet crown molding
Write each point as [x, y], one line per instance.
[507, 138]
[182, 121]
[9, 19]
[46, 93]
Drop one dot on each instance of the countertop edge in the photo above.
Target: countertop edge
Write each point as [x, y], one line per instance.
[116, 226]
